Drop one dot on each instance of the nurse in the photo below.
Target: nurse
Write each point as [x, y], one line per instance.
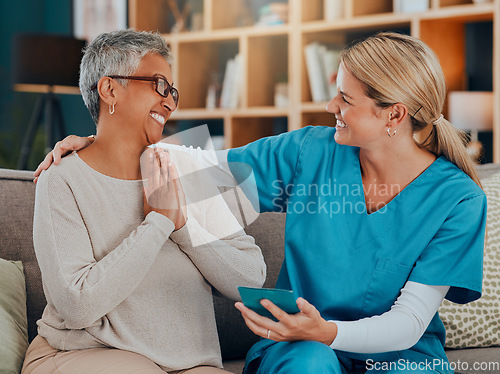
[381, 224]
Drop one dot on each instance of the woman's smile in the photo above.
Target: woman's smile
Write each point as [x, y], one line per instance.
[341, 125]
[158, 118]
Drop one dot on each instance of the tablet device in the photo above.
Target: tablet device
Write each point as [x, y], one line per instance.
[283, 299]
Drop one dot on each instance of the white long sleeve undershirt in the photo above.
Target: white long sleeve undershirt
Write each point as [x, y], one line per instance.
[215, 163]
[399, 328]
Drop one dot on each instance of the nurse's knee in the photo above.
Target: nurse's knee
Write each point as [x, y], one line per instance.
[307, 357]
[314, 357]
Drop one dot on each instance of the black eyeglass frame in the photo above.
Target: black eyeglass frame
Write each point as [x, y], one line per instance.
[168, 87]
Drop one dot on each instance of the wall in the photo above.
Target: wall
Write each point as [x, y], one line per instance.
[32, 16]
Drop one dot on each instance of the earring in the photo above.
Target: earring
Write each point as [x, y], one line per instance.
[111, 111]
[389, 132]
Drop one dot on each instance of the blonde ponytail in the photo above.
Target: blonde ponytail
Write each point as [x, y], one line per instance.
[445, 139]
[397, 68]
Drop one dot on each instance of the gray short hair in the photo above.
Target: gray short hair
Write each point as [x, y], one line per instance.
[116, 53]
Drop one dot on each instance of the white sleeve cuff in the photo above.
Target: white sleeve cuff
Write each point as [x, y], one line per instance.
[398, 329]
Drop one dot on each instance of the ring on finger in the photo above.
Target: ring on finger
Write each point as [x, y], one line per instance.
[268, 333]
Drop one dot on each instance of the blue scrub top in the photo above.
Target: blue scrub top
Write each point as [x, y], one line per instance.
[350, 264]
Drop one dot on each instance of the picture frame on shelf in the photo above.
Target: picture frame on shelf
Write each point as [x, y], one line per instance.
[93, 17]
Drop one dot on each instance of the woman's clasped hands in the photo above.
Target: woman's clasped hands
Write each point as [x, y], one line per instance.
[305, 325]
[163, 191]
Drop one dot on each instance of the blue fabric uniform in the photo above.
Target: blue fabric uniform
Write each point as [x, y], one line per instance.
[350, 264]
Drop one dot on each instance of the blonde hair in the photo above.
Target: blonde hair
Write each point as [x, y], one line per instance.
[397, 68]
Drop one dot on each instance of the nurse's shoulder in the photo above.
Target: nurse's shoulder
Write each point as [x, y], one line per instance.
[314, 137]
[452, 182]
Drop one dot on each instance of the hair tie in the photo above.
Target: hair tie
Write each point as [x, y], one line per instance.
[418, 110]
[436, 121]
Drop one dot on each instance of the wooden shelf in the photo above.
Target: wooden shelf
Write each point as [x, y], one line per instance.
[365, 23]
[226, 34]
[200, 113]
[468, 11]
[272, 54]
[446, 3]
[360, 8]
[311, 107]
[44, 88]
[263, 111]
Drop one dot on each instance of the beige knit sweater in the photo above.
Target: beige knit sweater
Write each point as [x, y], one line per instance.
[113, 278]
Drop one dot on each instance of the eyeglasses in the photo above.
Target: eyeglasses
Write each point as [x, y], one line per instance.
[161, 85]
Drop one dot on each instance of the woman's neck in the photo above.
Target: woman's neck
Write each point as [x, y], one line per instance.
[116, 156]
[396, 163]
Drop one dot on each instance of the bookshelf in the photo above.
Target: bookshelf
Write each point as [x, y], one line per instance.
[272, 54]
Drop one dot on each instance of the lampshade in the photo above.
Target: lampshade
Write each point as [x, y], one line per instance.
[471, 110]
[46, 59]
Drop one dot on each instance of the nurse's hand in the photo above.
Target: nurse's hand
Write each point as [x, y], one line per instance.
[305, 325]
[163, 191]
[68, 144]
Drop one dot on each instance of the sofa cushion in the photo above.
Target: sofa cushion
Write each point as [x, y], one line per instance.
[235, 366]
[17, 199]
[477, 324]
[13, 321]
[235, 337]
[475, 360]
[487, 170]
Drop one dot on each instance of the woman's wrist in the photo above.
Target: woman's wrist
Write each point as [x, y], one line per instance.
[328, 332]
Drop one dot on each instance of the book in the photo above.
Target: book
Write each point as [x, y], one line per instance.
[410, 6]
[273, 14]
[321, 64]
[331, 58]
[226, 84]
[333, 9]
[231, 85]
[236, 82]
[315, 72]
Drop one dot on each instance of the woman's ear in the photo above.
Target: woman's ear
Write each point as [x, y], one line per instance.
[397, 113]
[107, 90]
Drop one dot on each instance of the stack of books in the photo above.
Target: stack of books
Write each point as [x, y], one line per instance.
[231, 86]
[273, 14]
[322, 64]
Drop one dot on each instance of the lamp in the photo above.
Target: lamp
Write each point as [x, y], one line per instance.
[471, 111]
[46, 64]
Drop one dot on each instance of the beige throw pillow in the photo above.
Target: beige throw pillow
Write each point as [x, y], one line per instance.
[13, 321]
[477, 324]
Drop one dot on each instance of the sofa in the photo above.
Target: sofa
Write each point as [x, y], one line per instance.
[17, 194]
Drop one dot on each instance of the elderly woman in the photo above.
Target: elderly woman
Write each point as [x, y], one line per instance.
[128, 283]
[380, 226]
